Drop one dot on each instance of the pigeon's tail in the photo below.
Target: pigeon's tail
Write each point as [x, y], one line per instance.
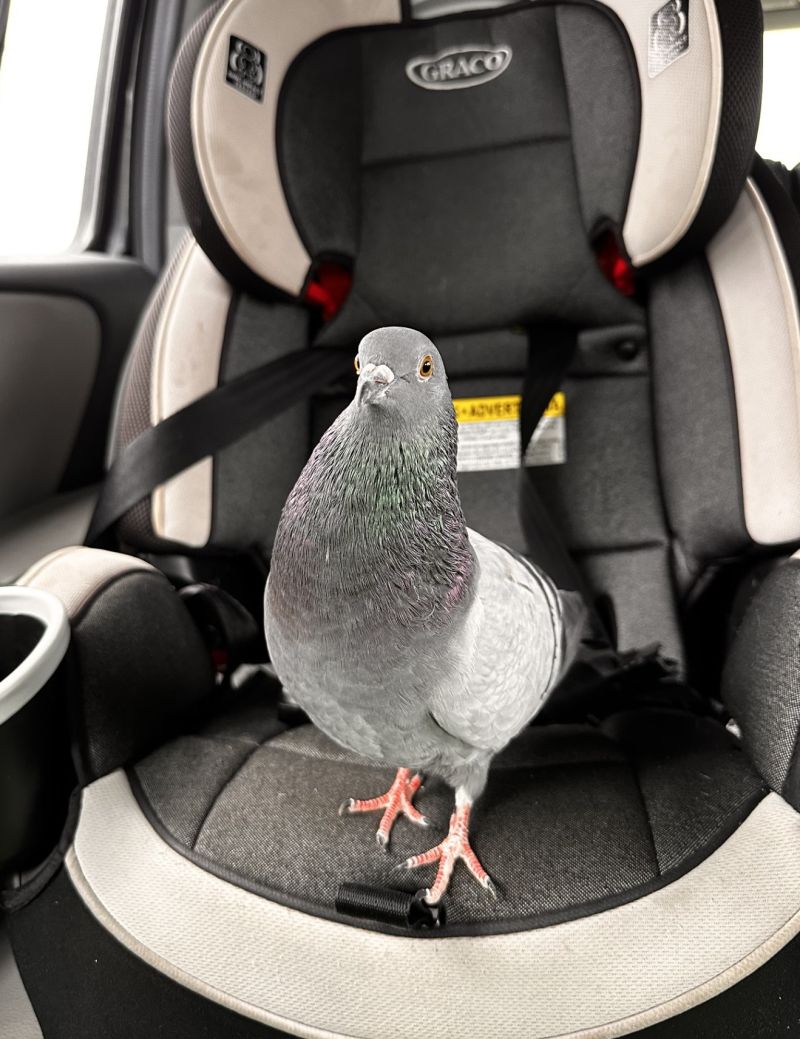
[576, 620]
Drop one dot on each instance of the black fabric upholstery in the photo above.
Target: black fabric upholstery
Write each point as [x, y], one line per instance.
[574, 817]
[637, 585]
[139, 667]
[607, 498]
[253, 477]
[761, 681]
[695, 412]
[789, 179]
[605, 119]
[607, 495]
[478, 190]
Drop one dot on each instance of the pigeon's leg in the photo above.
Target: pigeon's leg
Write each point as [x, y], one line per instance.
[455, 846]
[395, 802]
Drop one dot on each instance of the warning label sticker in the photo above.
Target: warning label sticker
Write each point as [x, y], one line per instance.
[489, 433]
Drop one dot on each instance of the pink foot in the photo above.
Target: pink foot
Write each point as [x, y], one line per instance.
[455, 846]
[397, 801]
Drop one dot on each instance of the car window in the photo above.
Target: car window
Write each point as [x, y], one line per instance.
[779, 131]
[48, 82]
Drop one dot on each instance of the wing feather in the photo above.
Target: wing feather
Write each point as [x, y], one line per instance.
[512, 651]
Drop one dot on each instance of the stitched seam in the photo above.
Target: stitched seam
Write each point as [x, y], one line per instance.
[505, 766]
[461, 153]
[223, 786]
[639, 546]
[643, 799]
[247, 740]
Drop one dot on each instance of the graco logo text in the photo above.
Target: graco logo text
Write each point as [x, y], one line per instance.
[459, 67]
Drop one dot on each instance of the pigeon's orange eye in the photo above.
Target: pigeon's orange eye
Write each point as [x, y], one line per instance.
[426, 366]
[357, 365]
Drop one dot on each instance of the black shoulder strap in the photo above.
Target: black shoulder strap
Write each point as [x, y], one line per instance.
[230, 411]
[550, 354]
[212, 422]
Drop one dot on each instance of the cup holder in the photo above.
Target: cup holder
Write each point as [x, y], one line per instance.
[34, 635]
[35, 769]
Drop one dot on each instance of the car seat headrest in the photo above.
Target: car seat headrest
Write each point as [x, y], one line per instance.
[290, 123]
[466, 171]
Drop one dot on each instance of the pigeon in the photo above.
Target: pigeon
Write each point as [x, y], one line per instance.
[406, 637]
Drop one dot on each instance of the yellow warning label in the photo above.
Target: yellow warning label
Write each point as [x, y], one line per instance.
[557, 406]
[502, 409]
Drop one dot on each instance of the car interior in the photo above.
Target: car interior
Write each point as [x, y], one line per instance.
[607, 187]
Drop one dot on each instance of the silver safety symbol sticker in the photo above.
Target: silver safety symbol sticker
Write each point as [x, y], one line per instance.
[669, 36]
[247, 68]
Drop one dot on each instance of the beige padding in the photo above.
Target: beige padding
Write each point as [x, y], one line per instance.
[75, 574]
[186, 358]
[759, 308]
[595, 978]
[680, 117]
[234, 135]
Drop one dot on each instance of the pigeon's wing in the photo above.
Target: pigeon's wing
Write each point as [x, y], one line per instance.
[513, 650]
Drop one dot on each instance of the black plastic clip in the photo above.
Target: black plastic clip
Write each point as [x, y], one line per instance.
[389, 906]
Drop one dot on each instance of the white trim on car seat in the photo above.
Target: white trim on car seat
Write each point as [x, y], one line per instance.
[234, 135]
[759, 308]
[186, 359]
[680, 117]
[75, 574]
[593, 978]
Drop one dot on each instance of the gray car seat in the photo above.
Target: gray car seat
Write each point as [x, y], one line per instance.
[491, 176]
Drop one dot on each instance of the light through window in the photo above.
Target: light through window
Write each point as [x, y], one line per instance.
[48, 78]
[779, 132]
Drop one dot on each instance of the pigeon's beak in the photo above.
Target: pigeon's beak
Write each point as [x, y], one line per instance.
[373, 383]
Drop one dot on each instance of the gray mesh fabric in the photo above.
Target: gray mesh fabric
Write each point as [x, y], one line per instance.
[573, 815]
[761, 682]
[695, 415]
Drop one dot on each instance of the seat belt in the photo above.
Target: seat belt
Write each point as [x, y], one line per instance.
[232, 410]
[603, 679]
[548, 362]
[214, 421]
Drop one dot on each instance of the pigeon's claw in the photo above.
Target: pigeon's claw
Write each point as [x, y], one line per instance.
[455, 846]
[395, 802]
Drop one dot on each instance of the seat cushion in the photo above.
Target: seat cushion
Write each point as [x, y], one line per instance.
[576, 818]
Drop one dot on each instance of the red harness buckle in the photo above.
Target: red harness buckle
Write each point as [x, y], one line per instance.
[328, 288]
[614, 265]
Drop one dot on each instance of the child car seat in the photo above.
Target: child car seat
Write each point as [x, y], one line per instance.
[492, 174]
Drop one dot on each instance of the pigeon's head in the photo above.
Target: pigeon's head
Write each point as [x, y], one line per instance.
[401, 377]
